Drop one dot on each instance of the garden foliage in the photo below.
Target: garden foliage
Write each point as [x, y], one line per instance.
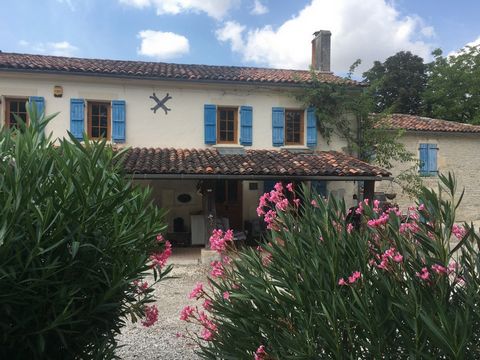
[76, 241]
[369, 283]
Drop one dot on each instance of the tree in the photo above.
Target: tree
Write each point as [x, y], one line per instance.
[453, 87]
[397, 84]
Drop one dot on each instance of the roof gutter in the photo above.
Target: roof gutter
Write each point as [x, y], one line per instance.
[138, 176]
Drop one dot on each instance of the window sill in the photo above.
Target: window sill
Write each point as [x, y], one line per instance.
[229, 148]
[295, 148]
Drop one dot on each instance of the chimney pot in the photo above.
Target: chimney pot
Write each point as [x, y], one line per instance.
[321, 50]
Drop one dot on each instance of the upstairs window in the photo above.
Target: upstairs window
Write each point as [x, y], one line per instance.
[15, 106]
[294, 127]
[99, 114]
[227, 125]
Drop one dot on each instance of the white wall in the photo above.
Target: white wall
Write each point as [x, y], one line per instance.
[183, 126]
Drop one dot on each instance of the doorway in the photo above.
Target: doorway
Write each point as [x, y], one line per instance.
[228, 202]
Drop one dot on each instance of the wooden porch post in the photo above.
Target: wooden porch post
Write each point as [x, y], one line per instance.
[208, 205]
[368, 189]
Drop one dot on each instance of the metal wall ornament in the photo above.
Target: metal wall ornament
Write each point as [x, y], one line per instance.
[160, 103]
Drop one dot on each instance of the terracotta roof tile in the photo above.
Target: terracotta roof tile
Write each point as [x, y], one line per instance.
[419, 123]
[158, 70]
[251, 162]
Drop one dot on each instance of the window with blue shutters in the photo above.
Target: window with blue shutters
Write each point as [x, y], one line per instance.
[428, 159]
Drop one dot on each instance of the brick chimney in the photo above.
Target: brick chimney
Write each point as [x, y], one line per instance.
[321, 50]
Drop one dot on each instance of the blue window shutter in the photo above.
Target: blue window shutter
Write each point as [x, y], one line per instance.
[118, 121]
[210, 123]
[278, 126]
[246, 122]
[432, 159]
[311, 127]
[39, 101]
[77, 118]
[423, 159]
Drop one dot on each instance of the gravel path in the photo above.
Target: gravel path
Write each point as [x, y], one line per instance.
[160, 341]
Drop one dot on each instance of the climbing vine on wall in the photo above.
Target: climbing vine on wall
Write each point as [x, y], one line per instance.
[341, 109]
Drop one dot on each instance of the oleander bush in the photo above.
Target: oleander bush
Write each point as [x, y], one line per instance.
[369, 283]
[76, 241]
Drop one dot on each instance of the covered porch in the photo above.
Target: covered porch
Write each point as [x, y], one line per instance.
[206, 189]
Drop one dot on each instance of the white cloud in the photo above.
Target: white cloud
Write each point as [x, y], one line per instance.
[162, 45]
[232, 31]
[473, 43]
[258, 8]
[214, 8]
[366, 29]
[61, 48]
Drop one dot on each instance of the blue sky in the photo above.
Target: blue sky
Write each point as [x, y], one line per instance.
[271, 33]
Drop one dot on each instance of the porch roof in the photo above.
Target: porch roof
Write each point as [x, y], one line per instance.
[249, 164]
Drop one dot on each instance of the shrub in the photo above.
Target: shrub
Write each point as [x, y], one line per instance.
[75, 242]
[391, 286]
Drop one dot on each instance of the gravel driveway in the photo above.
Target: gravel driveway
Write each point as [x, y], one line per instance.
[160, 341]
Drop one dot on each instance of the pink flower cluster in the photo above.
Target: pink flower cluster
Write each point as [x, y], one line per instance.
[382, 220]
[160, 259]
[187, 312]
[260, 354]
[384, 259]
[141, 286]
[458, 231]
[151, 315]
[351, 279]
[197, 291]
[423, 274]
[219, 239]
[217, 269]
[274, 201]
[209, 328]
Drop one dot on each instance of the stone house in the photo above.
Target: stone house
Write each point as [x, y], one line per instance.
[441, 146]
[208, 140]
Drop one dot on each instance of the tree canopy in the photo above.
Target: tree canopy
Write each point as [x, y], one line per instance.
[397, 84]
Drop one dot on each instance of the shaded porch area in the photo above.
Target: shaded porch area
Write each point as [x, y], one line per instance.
[205, 189]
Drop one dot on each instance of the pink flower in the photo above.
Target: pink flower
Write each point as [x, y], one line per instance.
[217, 269]
[439, 269]
[354, 277]
[151, 315]
[269, 218]
[267, 259]
[260, 354]
[227, 260]
[160, 259]
[197, 291]
[314, 203]
[458, 231]
[278, 187]
[206, 334]
[226, 295]
[282, 205]
[424, 274]
[349, 228]
[296, 202]
[290, 187]
[398, 258]
[421, 207]
[207, 304]
[342, 282]
[219, 239]
[186, 312]
[160, 238]
[141, 287]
